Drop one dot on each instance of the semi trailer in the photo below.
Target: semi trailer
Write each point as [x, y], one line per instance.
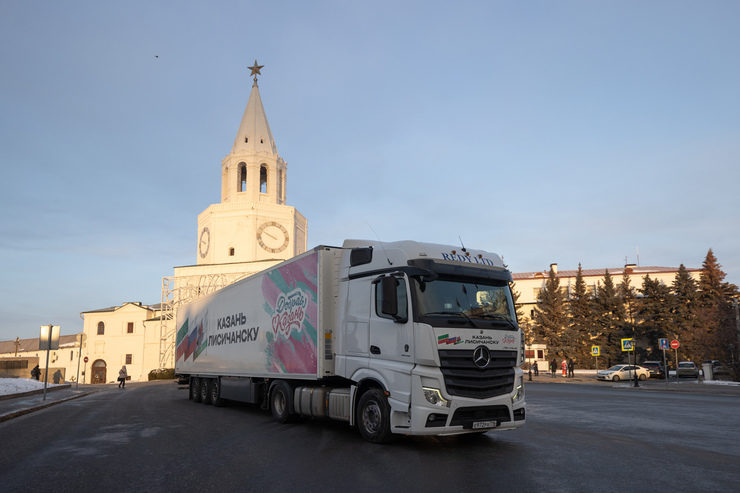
[395, 338]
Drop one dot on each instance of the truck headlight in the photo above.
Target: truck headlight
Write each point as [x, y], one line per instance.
[434, 397]
[518, 391]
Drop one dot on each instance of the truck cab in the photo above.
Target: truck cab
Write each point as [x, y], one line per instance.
[429, 341]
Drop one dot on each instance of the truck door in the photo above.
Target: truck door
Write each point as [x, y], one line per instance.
[355, 339]
[391, 334]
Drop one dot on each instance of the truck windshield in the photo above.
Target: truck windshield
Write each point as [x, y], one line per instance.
[481, 304]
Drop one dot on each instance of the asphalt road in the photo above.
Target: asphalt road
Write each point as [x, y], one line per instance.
[149, 437]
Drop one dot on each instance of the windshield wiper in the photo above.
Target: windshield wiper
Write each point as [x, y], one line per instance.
[459, 314]
[498, 318]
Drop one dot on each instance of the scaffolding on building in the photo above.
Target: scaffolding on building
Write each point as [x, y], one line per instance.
[178, 290]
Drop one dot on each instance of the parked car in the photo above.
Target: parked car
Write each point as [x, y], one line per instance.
[687, 369]
[623, 372]
[655, 368]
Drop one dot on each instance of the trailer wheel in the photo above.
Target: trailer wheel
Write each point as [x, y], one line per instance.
[214, 391]
[195, 389]
[281, 402]
[374, 416]
[205, 395]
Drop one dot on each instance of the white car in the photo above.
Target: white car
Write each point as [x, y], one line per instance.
[623, 372]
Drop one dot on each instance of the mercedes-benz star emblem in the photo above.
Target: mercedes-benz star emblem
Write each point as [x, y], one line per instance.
[481, 356]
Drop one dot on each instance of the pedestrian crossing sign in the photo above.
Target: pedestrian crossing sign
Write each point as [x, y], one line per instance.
[595, 350]
[628, 344]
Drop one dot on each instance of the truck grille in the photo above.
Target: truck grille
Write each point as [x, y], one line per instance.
[464, 379]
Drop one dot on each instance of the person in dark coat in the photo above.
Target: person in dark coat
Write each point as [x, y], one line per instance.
[536, 369]
[553, 367]
[36, 373]
[571, 367]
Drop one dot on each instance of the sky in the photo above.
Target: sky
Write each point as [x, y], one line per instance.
[568, 132]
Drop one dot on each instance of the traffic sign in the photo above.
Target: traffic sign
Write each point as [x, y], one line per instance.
[85, 360]
[595, 350]
[663, 343]
[628, 344]
[675, 344]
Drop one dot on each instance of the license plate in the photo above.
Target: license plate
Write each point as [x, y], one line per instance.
[477, 425]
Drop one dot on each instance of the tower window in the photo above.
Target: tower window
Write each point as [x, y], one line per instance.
[263, 179]
[246, 140]
[231, 252]
[261, 141]
[101, 328]
[242, 177]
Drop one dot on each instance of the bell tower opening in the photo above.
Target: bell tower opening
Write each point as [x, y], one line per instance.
[263, 179]
[242, 177]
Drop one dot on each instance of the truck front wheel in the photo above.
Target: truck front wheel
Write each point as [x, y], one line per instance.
[281, 402]
[373, 416]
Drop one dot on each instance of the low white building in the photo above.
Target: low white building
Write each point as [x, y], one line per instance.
[18, 357]
[128, 335]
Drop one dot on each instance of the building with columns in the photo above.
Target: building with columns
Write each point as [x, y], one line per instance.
[251, 229]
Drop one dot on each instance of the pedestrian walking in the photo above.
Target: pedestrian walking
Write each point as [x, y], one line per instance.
[571, 367]
[536, 369]
[122, 374]
[35, 372]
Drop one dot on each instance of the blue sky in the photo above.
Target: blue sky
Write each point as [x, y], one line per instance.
[570, 131]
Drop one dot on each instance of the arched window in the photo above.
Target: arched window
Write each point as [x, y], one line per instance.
[263, 179]
[101, 328]
[242, 177]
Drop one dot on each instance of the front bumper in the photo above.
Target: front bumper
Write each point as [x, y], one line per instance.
[464, 415]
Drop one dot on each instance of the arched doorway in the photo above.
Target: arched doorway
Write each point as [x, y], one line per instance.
[98, 371]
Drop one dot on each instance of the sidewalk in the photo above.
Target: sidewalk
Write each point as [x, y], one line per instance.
[14, 406]
[692, 385]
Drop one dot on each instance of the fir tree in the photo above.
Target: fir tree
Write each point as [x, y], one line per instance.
[711, 288]
[550, 317]
[609, 319]
[653, 313]
[578, 335]
[628, 297]
[716, 326]
[684, 305]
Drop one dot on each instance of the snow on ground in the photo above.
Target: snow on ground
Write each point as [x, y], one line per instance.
[20, 385]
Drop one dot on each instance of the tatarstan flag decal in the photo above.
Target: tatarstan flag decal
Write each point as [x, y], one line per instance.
[446, 339]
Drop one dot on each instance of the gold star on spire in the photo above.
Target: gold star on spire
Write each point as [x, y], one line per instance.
[255, 70]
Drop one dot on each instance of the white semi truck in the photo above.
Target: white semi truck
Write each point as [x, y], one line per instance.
[395, 338]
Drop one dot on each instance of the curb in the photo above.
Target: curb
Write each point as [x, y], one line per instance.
[15, 414]
[34, 392]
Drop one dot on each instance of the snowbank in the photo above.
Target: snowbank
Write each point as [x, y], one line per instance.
[19, 385]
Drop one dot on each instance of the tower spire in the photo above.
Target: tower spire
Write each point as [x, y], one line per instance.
[254, 132]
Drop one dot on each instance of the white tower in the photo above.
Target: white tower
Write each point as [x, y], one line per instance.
[253, 221]
[250, 230]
